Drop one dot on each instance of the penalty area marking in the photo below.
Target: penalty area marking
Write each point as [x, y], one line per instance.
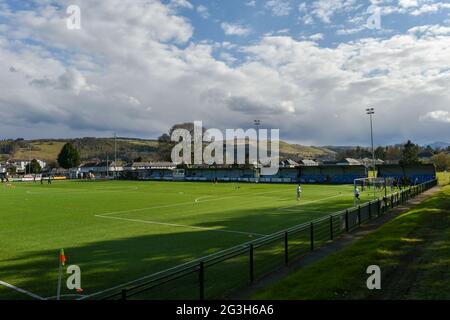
[180, 225]
[187, 203]
[28, 293]
[287, 208]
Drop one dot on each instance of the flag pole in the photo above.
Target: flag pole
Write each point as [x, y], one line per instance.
[58, 293]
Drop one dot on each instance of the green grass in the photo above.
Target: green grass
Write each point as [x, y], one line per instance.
[443, 178]
[125, 242]
[413, 252]
[44, 150]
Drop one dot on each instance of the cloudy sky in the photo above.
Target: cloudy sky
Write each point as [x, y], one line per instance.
[309, 68]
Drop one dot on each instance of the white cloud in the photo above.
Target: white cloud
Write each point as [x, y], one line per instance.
[250, 3]
[316, 37]
[438, 115]
[279, 7]
[430, 30]
[430, 8]
[342, 32]
[203, 11]
[231, 29]
[326, 9]
[181, 4]
[140, 81]
[408, 3]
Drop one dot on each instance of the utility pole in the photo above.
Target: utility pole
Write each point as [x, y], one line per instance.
[371, 112]
[29, 160]
[115, 154]
[257, 123]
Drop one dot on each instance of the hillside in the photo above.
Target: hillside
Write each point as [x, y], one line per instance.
[128, 149]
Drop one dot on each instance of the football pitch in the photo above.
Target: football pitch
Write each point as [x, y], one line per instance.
[120, 231]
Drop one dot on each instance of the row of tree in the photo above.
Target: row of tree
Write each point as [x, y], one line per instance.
[405, 154]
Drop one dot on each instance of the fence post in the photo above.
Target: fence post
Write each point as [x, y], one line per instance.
[252, 274]
[392, 201]
[346, 220]
[370, 210]
[124, 294]
[201, 280]
[311, 229]
[378, 208]
[359, 215]
[286, 248]
[331, 227]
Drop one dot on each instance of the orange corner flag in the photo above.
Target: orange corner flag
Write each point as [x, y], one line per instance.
[62, 257]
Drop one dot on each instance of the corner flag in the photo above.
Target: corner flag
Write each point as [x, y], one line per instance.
[62, 257]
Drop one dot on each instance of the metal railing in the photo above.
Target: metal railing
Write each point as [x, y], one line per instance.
[219, 274]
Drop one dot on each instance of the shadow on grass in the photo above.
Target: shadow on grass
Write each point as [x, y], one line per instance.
[105, 264]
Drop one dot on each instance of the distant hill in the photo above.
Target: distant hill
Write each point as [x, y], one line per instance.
[128, 149]
[439, 145]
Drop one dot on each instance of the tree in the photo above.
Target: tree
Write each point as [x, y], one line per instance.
[165, 143]
[429, 149]
[441, 161]
[410, 154]
[380, 153]
[33, 167]
[69, 157]
[393, 153]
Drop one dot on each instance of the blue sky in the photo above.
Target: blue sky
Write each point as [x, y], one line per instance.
[287, 17]
[309, 68]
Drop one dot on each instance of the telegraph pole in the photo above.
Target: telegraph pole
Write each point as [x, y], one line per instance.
[371, 112]
[115, 154]
[257, 123]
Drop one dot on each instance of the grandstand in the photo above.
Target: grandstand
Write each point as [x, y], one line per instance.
[325, 173]
[417, 173]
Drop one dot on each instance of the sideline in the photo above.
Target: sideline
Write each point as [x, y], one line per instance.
[28, 293]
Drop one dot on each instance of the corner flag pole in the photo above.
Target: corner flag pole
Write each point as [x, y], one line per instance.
[58, 292]
[62, 262]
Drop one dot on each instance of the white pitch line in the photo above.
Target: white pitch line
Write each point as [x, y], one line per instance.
[303, 210]
[66, 295]
[198, 199]
[309, 202]
[80, 192]
[179, 225]
[21, 290]
[186, 203]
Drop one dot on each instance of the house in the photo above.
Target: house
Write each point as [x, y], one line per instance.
[97, 168]
[308, 163]
[288, 163]
[21, 165]
[349, 162]
[368, 162]
[149, 165]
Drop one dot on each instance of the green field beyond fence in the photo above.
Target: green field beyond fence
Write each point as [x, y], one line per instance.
[210, 239]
